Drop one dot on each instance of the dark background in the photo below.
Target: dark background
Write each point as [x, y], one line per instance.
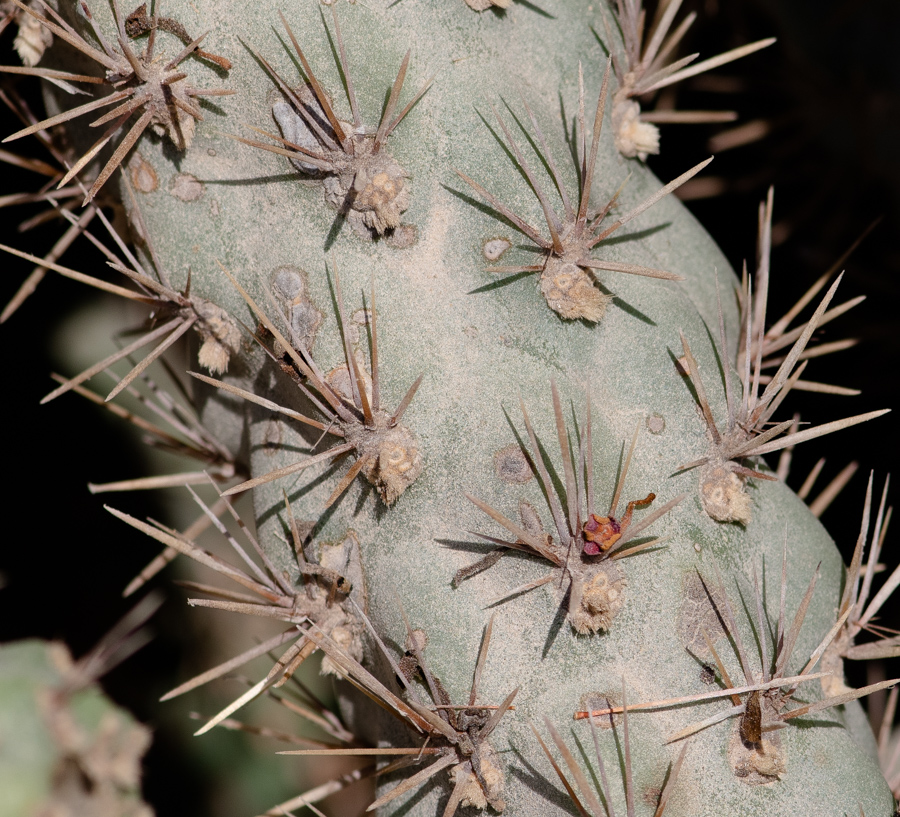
[827, 96]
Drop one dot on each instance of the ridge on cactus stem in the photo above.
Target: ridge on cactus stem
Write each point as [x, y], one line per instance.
[361, 179]
[567, 278]
[387, 452]
[645, 64]
[457, 735]
[593, 588]
[138, 80]
[754, 749]
[324, 598]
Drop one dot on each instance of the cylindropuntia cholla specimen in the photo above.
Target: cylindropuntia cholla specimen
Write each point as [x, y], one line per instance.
[254, 216]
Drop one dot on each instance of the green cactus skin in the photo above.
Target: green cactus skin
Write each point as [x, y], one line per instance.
[479, 351]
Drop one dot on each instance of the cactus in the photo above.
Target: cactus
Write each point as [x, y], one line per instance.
[329, 267]
[68, 749]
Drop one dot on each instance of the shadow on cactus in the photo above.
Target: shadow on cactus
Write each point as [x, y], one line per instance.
[361, 179]
[567, 279]
[585, 554]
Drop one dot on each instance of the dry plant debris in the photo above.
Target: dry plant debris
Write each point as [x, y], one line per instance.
[645, 64]
[587, 546]
[567, 278]
[136, 80]
[387, 452]
[361, 179]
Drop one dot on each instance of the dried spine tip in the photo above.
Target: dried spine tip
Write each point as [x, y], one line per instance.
[139, 81]
[387, 452]
[749, 431]
[567, 274]
[361, 179]
[644, 64]
[586, 547]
